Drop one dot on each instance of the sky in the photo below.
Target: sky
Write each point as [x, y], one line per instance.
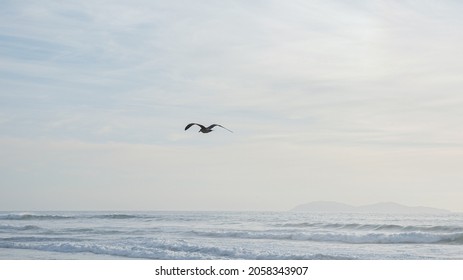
[352, 101]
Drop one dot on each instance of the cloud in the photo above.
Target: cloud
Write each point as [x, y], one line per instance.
[334, 67]
[316, 78]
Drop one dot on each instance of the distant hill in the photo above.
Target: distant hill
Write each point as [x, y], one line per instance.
[324, 206]
[383, 207]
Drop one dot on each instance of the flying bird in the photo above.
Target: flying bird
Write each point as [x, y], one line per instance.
[205, 129]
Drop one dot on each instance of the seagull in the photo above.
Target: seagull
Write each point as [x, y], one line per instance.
[205, 129]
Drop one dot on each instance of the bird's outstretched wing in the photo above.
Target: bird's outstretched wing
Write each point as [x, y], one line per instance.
[191, 124]
[213, 125]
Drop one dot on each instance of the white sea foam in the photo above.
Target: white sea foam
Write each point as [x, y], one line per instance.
[376, 227]
[26, 216]
[246, 235]
[18, 228]
[366, 238]
[165, 250]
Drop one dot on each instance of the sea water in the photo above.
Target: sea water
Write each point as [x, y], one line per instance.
[229, 235]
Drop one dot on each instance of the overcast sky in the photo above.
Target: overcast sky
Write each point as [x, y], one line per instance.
[351, 101]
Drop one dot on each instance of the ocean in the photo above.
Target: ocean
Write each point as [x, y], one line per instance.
[229, 235]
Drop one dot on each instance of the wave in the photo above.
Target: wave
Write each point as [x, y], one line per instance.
[115, 216]
[19, 228]
[164, 250]
[354, 238]
[153, 216]
[96, 231]
[30, 239]
[373, 227]
[27, 216]
[34, 217]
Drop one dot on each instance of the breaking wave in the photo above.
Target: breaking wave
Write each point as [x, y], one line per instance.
[18, 228]
[219, 235]
[162, 250]
[373, 227]
[115, 216]
[28, 217]
[355, 238]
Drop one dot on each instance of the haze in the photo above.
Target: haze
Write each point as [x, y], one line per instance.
[351, 101]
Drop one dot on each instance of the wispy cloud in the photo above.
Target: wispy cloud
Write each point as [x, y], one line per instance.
[304, 75]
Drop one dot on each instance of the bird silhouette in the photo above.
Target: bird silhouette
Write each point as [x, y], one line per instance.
[206, 129]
